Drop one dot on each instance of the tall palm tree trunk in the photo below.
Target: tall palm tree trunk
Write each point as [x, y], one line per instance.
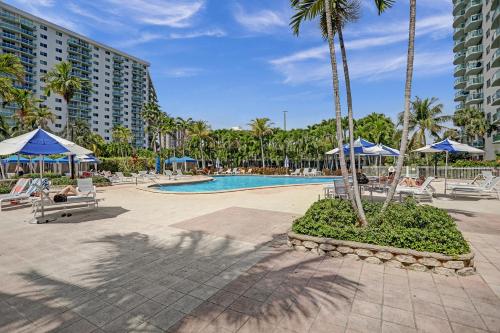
[338, 114]
[202, 156]
[406, 115]
[357, 195]
[67, 120]
[262, 152]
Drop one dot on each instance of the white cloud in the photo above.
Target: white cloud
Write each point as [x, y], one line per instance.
[379, 67]
[196, 34]
[259, 21]
[170, 13]
[183, 72]
[37, 3]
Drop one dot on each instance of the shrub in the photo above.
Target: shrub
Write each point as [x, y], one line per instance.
[4, 188]
[471, 164]
[127, 164]
[403, 225]
[65, 181]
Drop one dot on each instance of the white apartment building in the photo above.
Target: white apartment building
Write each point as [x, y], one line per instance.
[119, 83]
[476, 37]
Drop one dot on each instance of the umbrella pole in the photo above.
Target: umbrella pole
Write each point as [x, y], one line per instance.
[446, 172]
[41, 188]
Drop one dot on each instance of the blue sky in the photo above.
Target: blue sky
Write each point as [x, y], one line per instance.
[228, 61]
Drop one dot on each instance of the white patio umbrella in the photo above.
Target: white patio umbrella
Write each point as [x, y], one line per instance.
[448, 146]
[42, 143]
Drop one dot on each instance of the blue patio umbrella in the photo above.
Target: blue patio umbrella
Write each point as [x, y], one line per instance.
[449, 147]
[43, 160]
[172, 160]
[14, 159]
[187, 159]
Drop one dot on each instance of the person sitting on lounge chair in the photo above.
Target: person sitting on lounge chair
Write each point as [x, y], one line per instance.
[410, 182]
[68, 190]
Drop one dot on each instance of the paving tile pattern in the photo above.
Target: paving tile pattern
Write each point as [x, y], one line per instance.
[163, 280]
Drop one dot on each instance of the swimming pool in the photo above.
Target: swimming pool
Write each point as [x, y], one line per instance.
[232, 183]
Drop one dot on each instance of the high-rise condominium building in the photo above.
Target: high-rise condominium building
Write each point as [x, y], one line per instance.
[477, 62]
[118, 83]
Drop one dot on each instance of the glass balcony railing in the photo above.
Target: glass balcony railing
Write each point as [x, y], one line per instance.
[495, 59]
[495, 80]
[495, 118]
[458, 32]
[495, 98]
[474, 67]
[495, 19]
[495, 39]
[473, 7]
[496, 138]
[461, 95]
[473, 37]
[473, 52]
[475, 82]
[473, 22]
[459, 18]
[474, 98]
[459, 106]
[25, 32]
[459, 44]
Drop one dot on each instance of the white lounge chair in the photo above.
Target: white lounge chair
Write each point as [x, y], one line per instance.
[122, 178]
[295, 173]
[424, 190]
[17, 193]
[487, 187]
[306, 172]
[169, 174]
[336, 190]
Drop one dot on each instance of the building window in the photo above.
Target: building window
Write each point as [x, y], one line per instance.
[107, 52]
[488, 100]
[58, 58]
[58, 125]
[106, 95]
[96, 55]
[43, 62]
[43, 27]
[43, 71]
[58, 100]
[107, 66]
[59, 33]
[43, 36]
[58, 108]
[43, 45]
[58, 50]
[106, 117]
[96, 100]
[96, 85]
[488, 84]
[59, 42]
[43, 53]
[96, 70]
[96, 48]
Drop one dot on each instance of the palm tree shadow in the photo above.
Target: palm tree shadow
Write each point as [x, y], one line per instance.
[190, 281]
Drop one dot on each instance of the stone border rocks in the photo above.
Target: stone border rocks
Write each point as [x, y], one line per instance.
[391, 256]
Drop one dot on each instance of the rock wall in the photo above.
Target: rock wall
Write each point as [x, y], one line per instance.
[391, 256]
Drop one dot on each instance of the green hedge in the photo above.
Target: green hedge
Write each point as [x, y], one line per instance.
[56, 181]
[467, 163]
[403, 225]
[127, 164]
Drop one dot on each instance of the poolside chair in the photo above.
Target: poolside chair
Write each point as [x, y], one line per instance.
[486, 188]
[306, 172]
[424, 190]
[336, 190]
[484, 177]
[123, 179]
[169, 174]
[249, 171]
[295, 173]
[18, 192]
[315, 172]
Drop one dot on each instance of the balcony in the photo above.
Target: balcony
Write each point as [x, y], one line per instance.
[459, 82]
[475, 82]
[495, 19]
[473, 7]
[474, 52]
[459, 106]
[474, 98]
[474, 37]
[458, 6]
[474, 67]
[459, 57]
[80, 43]
[478, 143]
[473, 22]
[495, 59]
[458, 45]
[495, 98]
[495, 118]
[495, 39]
[496, 138]
[117, 79]
[459, 18]
[12, 37]
[24, 32]
[495, 80]
[16, 19]
[458, 32]
[461, 95]
[117, 58]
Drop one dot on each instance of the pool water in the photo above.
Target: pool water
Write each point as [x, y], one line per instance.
[230, 183]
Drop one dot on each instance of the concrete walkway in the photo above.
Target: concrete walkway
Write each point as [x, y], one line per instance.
[148, 262]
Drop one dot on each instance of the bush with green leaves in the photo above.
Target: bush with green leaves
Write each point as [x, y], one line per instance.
[127, 164]
[404, 225]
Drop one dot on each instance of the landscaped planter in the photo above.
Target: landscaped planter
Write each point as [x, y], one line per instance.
[391, 256]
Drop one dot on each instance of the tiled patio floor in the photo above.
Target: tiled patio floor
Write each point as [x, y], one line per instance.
[117, 274]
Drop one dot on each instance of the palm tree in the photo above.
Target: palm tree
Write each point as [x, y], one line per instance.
[40, 117]
[260, 128]
[4, 128]
[425, 119]
[61, 81]
[11, 69]
[151, 114]
[406, 114]
[472, 122]
[333, 16]
[200, 131]
[122, 135]
[182, 127]
[376, 127]
[26, 105]
[96, 143]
